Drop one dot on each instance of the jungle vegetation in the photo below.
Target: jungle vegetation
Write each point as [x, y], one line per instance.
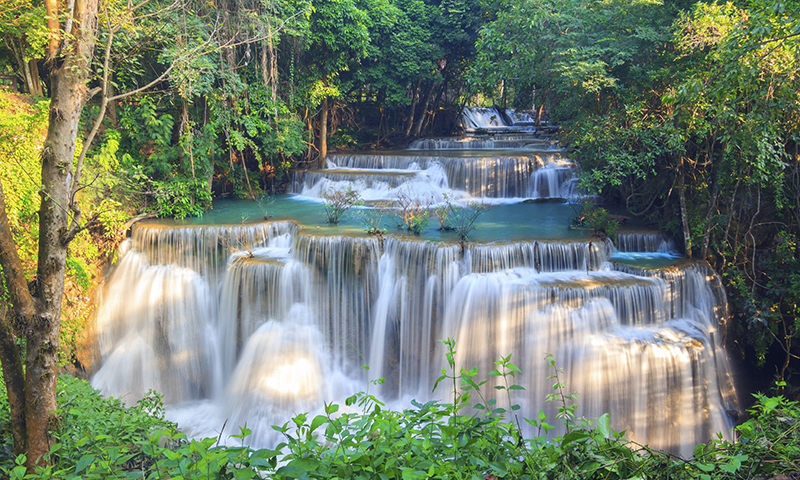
[684, 113]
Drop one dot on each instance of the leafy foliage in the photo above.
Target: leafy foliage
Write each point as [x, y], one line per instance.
[102, 438]
[598, 220]
[182, 198]
[23, 123]
[22, 128]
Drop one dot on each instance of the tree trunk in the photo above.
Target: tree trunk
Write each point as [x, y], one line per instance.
[414, 97]
[424, 113]
[111, 108]
[323, 132]
[68, 86]
[23, 308]
[186, 129]
[710, 214]
[437, 102]
[273, 72]
[17, 47]
[37, 315]
[687, 234]
[35, 87]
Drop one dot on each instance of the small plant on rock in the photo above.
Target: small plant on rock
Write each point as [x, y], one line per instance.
[414, 214]
[457, 218]
[337, 202]
[265, 203]
[462, 219]
[372, 221]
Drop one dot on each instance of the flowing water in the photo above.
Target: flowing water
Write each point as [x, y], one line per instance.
[250, 321]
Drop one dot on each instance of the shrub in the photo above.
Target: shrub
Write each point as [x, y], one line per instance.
[598, 220]
[414, 214]
[181, 198]
[337, 202]
[100, 438]
[462, 219]
[372, 221]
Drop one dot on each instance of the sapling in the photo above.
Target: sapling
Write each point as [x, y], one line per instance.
[337, 202]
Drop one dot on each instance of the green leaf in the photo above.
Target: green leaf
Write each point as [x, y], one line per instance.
[411, 474]
[541, 416]
[84, 462]
[603, 424]
[732, 466]
[318, 420]
[706, 467]
[574, 436]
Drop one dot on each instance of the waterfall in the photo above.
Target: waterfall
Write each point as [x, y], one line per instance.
[483, 118]
[254, 323]
[484, 142]
[264, 334]
[645, 242]
[382, 176]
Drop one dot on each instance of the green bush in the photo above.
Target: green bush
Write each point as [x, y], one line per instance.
[461, 220]
[597, 219]
[335, 203]
[469, 437]
[413, 214]
[181, 198]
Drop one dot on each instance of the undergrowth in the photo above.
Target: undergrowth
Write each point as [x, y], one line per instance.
[100, 438]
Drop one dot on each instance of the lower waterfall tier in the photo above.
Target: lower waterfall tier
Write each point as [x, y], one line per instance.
[255, 323]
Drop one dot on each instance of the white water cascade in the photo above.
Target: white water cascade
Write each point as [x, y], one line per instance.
[497, 168]
[254, 323]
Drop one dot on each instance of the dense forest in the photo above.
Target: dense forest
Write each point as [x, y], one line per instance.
[685, 114]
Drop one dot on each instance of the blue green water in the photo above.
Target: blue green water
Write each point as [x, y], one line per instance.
[500, 223]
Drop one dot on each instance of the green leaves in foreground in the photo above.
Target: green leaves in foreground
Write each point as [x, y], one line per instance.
[101, 438]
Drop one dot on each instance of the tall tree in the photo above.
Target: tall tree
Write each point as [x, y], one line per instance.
[36, 313]
[338, 37]
[33, 320]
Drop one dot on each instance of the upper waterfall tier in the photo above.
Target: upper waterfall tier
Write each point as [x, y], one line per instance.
[485, 141]
[645, 242]
[430, 176]
[494, 119]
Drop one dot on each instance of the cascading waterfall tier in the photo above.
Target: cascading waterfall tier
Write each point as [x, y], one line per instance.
[645, 242]
[430, 177]
[484, 142]
[264, 320]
